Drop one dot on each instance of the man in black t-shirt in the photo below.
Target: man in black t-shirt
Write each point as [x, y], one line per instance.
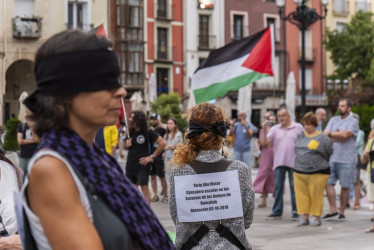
[158, 167]
[28, 142]
[141, 156]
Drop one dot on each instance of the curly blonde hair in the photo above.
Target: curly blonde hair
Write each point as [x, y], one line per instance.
[205, 114]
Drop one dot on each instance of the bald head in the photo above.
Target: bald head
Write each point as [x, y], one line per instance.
[320, 114]
[242, 115]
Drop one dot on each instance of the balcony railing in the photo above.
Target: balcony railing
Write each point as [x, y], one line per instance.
[266, 83]
[207, 42]
[129, 34]
[310, 54]
[163, 13]
[132, 80]
[166, 53]
[30, 28]
[341, 7]
[363, 6]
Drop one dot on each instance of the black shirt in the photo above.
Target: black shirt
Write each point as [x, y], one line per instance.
[141, 146]
[161, 131]
[27, 150]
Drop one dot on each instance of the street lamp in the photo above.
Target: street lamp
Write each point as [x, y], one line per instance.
[303, 17]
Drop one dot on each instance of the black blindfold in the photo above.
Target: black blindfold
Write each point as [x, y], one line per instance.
[75, 72]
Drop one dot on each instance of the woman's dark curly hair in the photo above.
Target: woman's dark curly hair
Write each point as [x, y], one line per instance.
[205, 114]
[53, 111]
[140, 121]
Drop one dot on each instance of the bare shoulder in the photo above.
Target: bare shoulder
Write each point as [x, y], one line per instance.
[49, 169]
[51, 184]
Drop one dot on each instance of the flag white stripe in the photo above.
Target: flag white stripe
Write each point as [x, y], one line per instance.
[219, 73]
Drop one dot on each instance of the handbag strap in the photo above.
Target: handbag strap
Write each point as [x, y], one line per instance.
[194, 239]
[225, 232]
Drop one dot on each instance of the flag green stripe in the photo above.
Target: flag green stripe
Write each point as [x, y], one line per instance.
[221, 88]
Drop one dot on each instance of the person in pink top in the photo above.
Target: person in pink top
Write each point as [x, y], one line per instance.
[264, 182]
[283, 136]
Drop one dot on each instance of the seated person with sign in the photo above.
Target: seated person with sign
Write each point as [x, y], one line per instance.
[211, 198]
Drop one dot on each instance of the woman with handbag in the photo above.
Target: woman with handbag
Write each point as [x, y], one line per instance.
[368, 157]
[209, 195]
[76, 195]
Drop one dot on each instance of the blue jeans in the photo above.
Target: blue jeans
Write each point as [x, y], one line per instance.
[243, 157]
[280, 175]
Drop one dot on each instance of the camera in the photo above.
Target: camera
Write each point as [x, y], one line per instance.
[270, 123]
[239, 120]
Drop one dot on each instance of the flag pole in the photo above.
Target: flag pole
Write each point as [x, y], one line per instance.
[124, 113]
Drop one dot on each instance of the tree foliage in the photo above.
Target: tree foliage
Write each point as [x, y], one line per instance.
[10, 139]
[352, 49]
[169, 106]
[366, 113]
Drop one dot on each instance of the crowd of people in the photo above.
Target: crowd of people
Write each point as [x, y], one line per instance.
[75, 195]
[316, 159]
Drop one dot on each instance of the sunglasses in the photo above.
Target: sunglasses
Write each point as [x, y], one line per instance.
[3, 231]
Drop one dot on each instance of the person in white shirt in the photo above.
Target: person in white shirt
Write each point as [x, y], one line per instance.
[10, 182]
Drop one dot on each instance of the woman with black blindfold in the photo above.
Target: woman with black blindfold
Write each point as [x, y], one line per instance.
[211, 198]
[75, 195]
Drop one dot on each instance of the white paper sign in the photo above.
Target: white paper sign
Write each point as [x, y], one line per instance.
[205, 197]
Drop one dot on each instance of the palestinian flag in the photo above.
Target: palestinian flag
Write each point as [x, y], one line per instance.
[99, 30]
[234, 66]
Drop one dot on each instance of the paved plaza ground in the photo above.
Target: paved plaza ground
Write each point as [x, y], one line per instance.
[284, 234]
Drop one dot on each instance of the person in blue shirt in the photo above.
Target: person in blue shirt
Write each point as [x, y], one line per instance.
[243, 131]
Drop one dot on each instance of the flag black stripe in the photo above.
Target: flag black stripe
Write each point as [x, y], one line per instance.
[231, 51]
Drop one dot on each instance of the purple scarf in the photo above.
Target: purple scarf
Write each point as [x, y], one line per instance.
[122, 197]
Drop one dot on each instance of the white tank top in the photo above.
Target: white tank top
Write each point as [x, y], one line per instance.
[8, 185]
[35, 225]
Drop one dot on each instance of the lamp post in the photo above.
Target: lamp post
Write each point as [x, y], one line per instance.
[303, 17]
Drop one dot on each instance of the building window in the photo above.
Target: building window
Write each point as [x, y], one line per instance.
[339, 26]
[204, 31]
[162, 81]
[273, 20]
[24, 8]
[308, 45]
[308, 80]
[134, 16]
[238, 24]
[362, 5]
[238, 27]
[162, 8]
[341, 7]
[130, 21]
[162, 43]
[130, 45]
[131, 63]
[78, 16]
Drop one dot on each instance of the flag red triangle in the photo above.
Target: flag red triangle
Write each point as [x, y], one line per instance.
[101, 31]
[260, 58]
